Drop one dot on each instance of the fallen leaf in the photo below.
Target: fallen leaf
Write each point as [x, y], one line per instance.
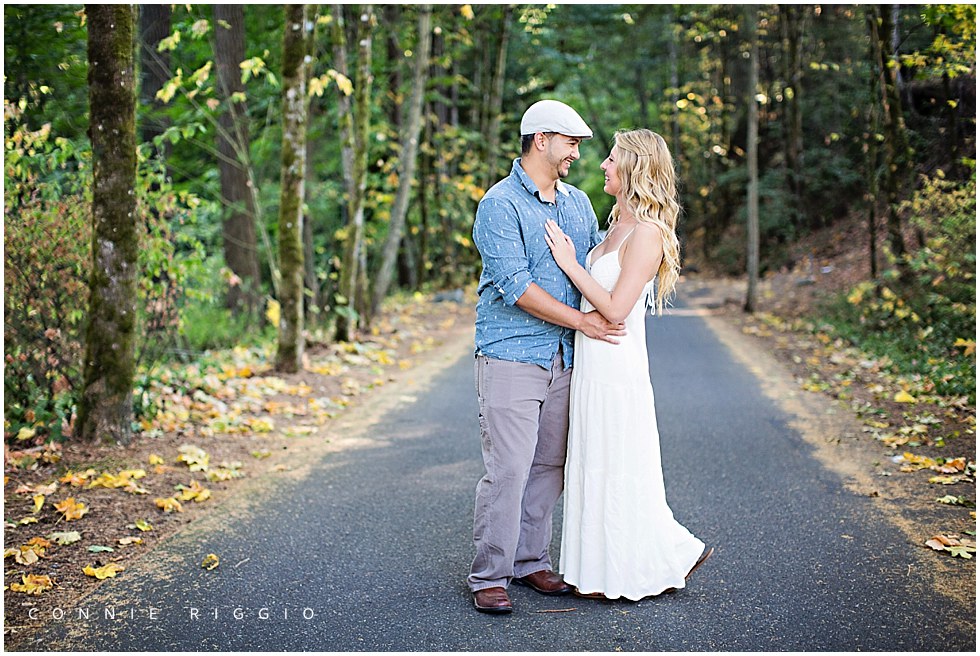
[38, 503]
[196, 491]
[98, 548]
[25, 434]
[948, 480]
[210, 562]
[904, 397]
[969, 345]
[169, 505]
[261, 454]
[195, 457]
[155, 459]
[130, 540]
[77, 479]
[950, 466]
[71, 509]
[940, 542]
[105, 572]
[951, 500]
[33, 584]
[142, 525]
[962, 551]
[63, 537]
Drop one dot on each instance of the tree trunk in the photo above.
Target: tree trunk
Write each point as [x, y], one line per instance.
[391, 17]
[895, 146]
[238, 225]
[751, 18]
[407, 160]
[791, 19]
[356, 140]
[106, 405]
[496, 100]
[154, 71]
[294, 114]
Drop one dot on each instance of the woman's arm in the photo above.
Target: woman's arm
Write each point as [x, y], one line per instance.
[640, 259]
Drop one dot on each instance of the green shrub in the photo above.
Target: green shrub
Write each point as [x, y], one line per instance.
[926, 325]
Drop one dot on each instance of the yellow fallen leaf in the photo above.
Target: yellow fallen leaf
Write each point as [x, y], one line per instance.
[23, 555]
[155, 459]
[130, 540]
[71, 509]
[142, 525]
[904, 397]
[196, 491]
[77, 479]
[105, 572]
[210, 562]
[169, 505]
[33, 584]
[38, 503]
[25, 434]
[969, 345]
[195, 457]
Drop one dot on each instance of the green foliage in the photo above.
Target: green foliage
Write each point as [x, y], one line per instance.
[47, 256]
[925, 325]
[47, 235]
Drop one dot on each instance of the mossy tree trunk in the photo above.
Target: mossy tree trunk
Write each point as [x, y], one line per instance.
[752, 157]
[355, 146]
[407, 160]
[105, 407]
[239, 240]
[294, 113]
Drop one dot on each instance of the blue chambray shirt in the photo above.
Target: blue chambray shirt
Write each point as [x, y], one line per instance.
[509, 233]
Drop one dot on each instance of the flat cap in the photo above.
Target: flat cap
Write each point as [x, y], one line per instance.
[554, 116]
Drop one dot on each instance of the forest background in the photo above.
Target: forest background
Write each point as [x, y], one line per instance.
[258, 220]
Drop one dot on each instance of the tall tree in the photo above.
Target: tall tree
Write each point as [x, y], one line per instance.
[238, 224]
[294, 114]
[154, 69]
[495, 106]
[355, 137]
[106, 407]
[752, 157]
[407, 160]
[895, 145]
[791, 19]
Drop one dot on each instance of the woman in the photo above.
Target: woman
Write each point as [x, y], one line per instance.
[619, 537]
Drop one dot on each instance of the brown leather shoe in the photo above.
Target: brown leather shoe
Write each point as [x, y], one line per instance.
[545, 582]
[492, 600]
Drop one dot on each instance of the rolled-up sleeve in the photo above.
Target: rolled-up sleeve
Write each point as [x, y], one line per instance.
[497, 235]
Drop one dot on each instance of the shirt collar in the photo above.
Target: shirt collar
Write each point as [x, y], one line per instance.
[525, 179]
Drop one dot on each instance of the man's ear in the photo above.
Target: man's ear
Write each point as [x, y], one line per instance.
[540, 140]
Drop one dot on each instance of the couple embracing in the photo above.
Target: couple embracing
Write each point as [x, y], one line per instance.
[553, 292]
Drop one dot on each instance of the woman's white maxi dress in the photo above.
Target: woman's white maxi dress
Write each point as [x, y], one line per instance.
[619, 536]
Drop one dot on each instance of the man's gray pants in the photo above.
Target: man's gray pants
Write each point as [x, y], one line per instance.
[524, 431]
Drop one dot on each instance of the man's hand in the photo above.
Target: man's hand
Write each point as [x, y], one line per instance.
[596, 326]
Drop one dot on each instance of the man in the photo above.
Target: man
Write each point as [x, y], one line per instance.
[525, 330]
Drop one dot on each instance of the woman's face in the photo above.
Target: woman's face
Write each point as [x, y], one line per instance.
[613, 185]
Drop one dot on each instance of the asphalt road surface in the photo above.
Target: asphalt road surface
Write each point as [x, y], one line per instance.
[369, 552]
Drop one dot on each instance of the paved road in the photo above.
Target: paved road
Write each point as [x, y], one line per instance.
[371, 550]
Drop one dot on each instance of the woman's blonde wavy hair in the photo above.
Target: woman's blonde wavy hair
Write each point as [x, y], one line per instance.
[649, 186]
